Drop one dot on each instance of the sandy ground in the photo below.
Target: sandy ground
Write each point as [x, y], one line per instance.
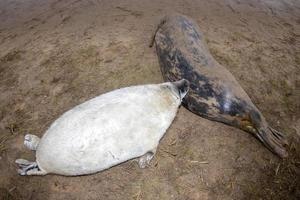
[57, 54]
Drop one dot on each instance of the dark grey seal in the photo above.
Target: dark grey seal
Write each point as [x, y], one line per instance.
[214, 92]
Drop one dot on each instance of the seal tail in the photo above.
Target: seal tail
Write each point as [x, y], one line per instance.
[274, 140]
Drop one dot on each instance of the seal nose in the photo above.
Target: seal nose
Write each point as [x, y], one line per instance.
[182, 86]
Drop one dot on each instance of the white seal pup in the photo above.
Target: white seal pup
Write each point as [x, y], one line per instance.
[105, 131]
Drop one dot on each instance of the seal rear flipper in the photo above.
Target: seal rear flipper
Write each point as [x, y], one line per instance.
[31, 141]
[29, 168]
[273, 140]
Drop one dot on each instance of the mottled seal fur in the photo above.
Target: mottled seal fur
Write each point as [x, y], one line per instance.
[107, 130]
[214, 92]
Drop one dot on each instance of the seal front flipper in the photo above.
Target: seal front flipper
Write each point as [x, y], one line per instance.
[144, 160]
